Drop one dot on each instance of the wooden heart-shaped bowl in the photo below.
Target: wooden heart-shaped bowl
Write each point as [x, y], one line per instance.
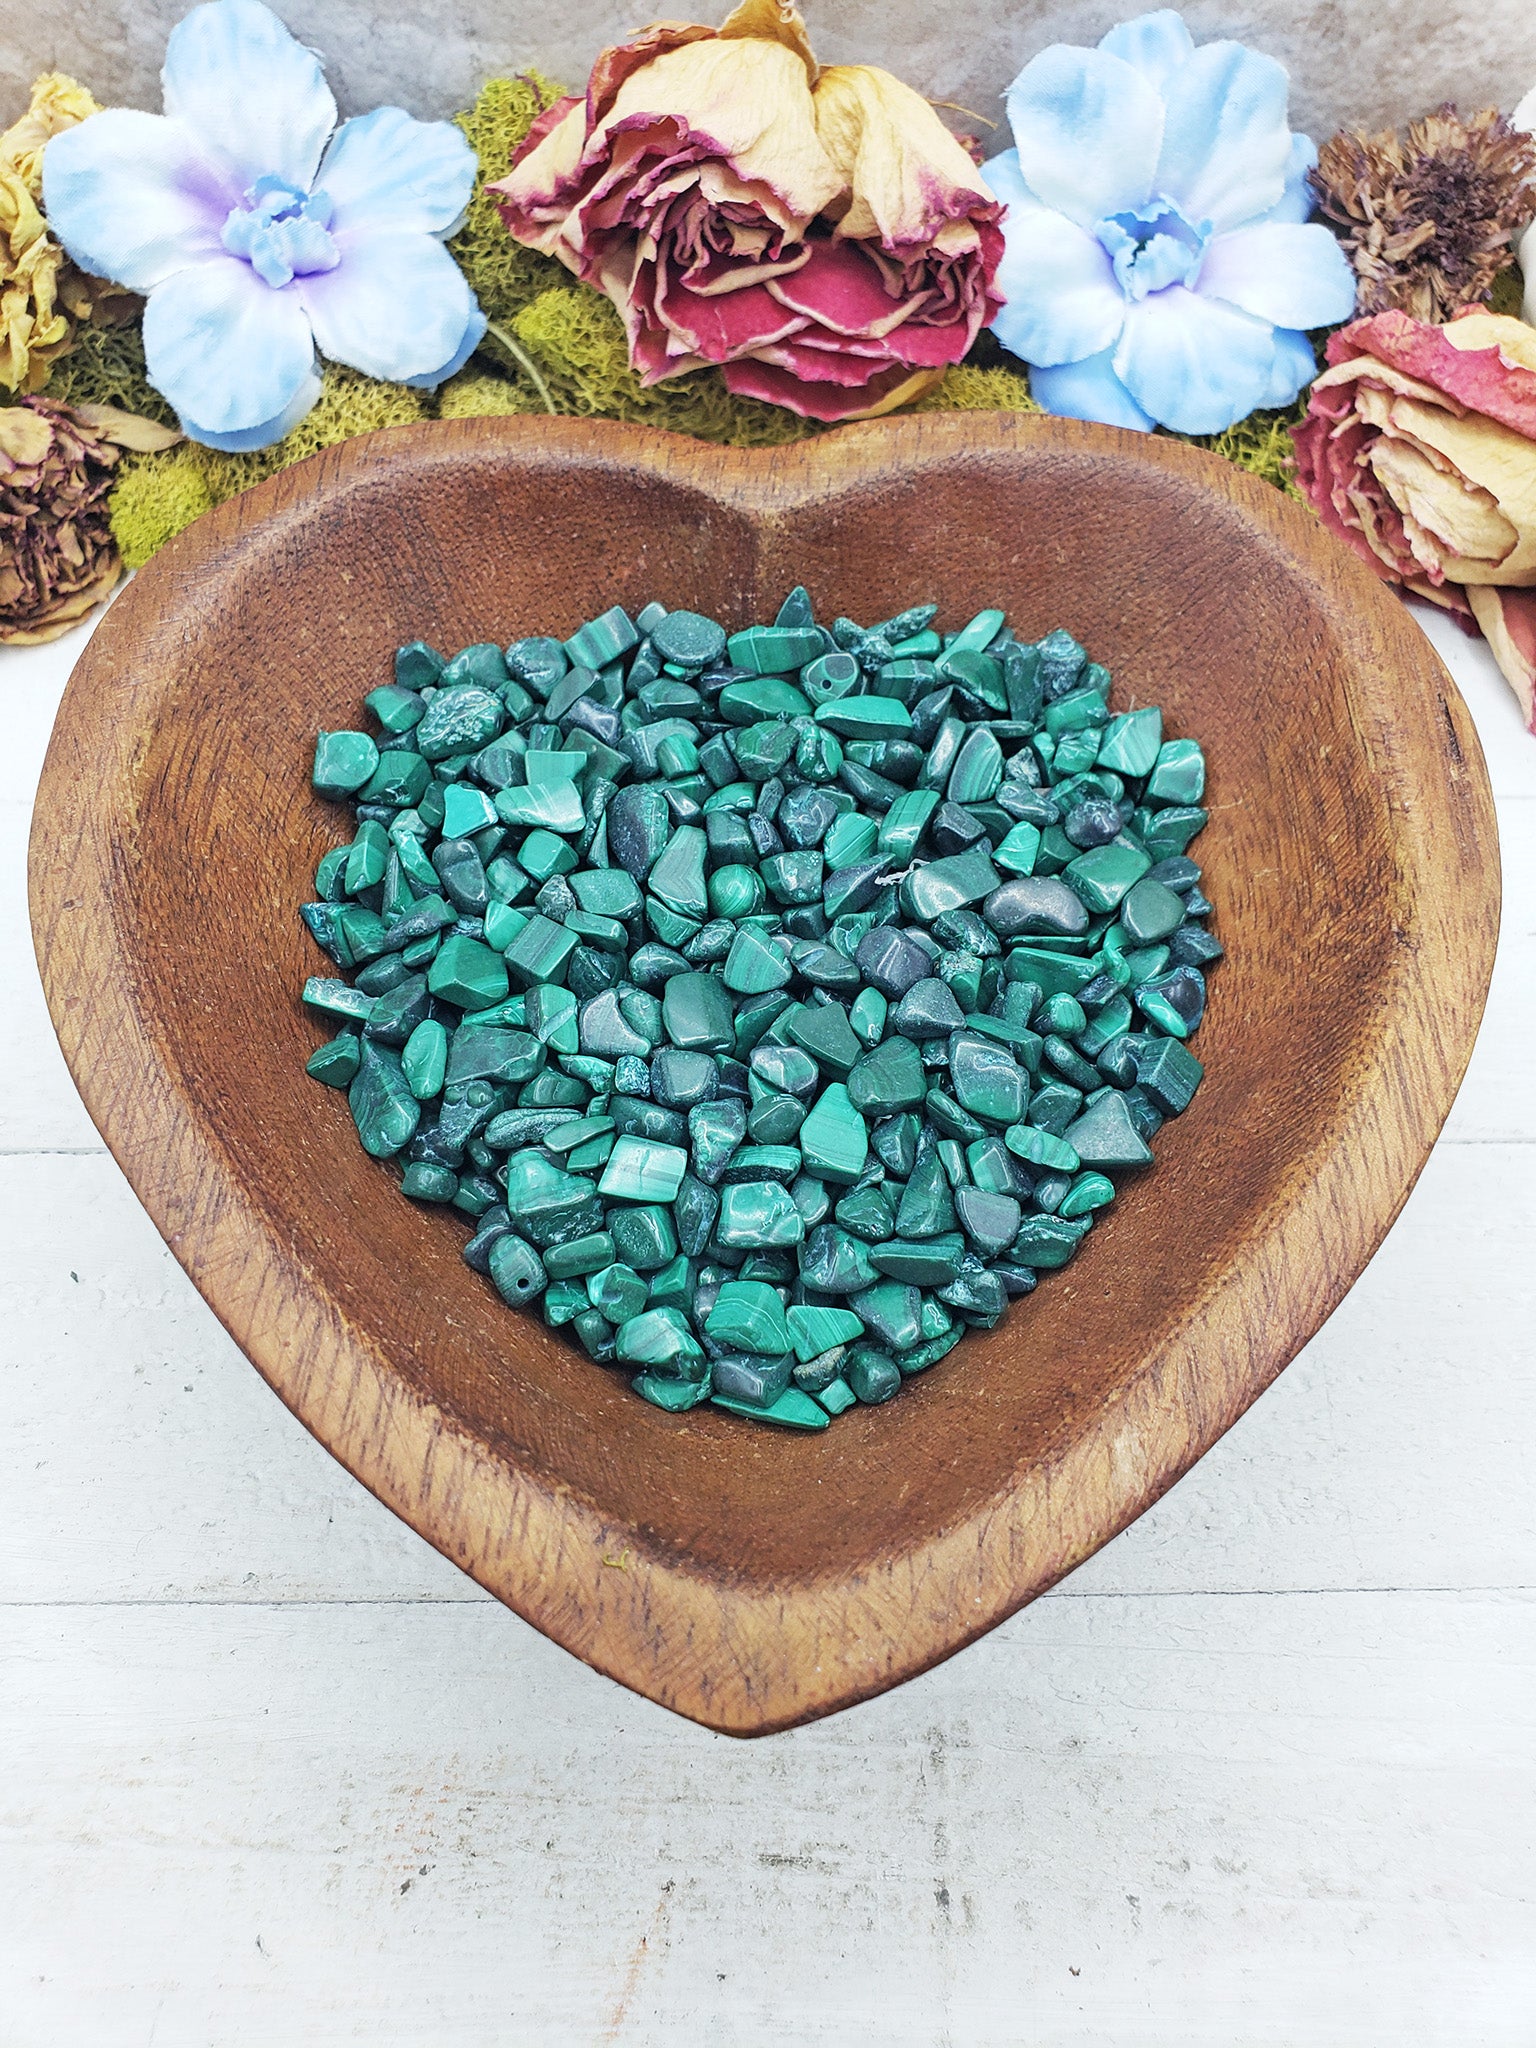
[746, 1577]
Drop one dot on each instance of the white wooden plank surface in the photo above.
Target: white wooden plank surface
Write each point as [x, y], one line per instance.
[1261, 1773]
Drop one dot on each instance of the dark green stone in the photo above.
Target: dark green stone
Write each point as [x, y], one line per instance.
[395, 707]
[872, 1376]
[829, 676]
[715, 1130]
[517, 1270]
[1131, 742]
[1062, 1059]
[1150, 912]
[383, 1108]
[417, 665]
[948, 884]
[1179, 775]
[850, 838]
[425, 1181]
[541, 952]
[889, 1079]
[1170, 1074]
[865, 718]
[1035, 905]
[836, 1396]
[765, 699]
[753, 1381]
[662, 1340]
[458, 721]
[1102, 877]
[485, 1053]
[602, 640]
[774, 650]
[583, 1255]
[688, 639]
[978, 769]
[869, 1213]
[748, 1316]
[642, 1170]
[924, 1355]
[675, 1396]
[336, 1062]
[758, 1215]
[890, 1311]
[894, 1142]
[927, 1207]
[924, 1262]
[695, 1209]
[834, 1139]
[774, 1119]
[467, 973]
[792, 1410]
[1089, 1191]
[639, 824]
[990, 1165]
[824, 1032]
[344, 762]
[696, 1012]
[764, 1162]
[1048, 1241]
[986, 1079]
[1166, 832]
[617, 1292]
[755, 964]
[950, 1120]
[928, 1010]
[990, 1221]
[1104, 1135]
[401, 778]
[835, 1263]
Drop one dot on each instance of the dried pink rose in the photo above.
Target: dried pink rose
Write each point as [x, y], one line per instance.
[1419, 451]
[819, 233]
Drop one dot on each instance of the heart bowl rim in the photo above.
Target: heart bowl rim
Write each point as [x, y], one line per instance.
[742, 1657]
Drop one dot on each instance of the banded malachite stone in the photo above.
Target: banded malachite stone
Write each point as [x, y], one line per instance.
[774, 1004]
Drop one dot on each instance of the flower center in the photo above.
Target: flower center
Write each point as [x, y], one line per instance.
[281, 232]
[1153, 246]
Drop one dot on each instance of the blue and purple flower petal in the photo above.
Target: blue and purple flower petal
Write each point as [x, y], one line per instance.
[255, 243]
[1158, 268]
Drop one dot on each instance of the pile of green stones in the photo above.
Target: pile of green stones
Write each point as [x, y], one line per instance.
[774, 1005]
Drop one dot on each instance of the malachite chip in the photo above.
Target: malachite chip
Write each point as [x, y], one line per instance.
[773, 1004]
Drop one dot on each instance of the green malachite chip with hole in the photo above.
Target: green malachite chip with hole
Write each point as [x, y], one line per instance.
[773, 1001]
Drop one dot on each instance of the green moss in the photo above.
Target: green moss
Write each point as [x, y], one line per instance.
[157, 495]
[474, 395]
[504, 275]
[350, 404]
[577, 340]
[1508, 292]
[106, 367]
[1261, 444]
[154, 497]
[967, 388]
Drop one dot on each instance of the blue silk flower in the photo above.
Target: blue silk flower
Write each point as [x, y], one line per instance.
[253, 247]
[1158, 269]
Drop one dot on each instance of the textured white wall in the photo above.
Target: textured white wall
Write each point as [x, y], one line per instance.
[1350, 60]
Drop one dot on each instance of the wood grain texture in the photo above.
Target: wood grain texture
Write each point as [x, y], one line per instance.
[1351, 857]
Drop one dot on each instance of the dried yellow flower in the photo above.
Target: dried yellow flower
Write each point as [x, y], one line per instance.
[42, 294]
[58, 102]
[34, 327]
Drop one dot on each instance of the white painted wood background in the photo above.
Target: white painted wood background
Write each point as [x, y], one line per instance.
[1260, 1775]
